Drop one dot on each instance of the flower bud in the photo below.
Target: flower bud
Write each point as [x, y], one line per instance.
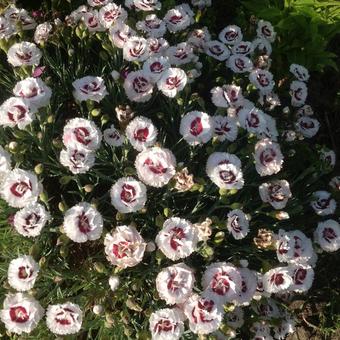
[114, 282]
[99, 267]
[97, 309]
[88, 187]
[38, 169]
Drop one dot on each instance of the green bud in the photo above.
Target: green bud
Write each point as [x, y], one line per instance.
[88, 188]
[42, 262]
[62, 206]
[99, 267]
[207, 251]
[50, 119]
[167, 212]
[104, 119]
[34, 251]
[132, 304]
[65, 180]
[103, 55]
[159, 221]
[219, 237]
[38, 169]
[43, 197]
[95, 112]
[120, 216]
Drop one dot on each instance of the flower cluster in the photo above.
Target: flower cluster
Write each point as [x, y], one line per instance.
[167, 194]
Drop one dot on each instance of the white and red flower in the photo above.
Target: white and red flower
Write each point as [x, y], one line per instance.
[124, 247]
[110, 14]
[152, 26]
[179, 18]
[82, 134]
[16, 112]
[222, 281]
[268, 157]
[178, 238]
[34, 91]
[22, 273]
[323, 204]
[95, 3]
[166, 324]
[42, 32]
[225, 128]
[155, 67]
[157, 46]
[300, 72]
[180, 54]
[138, 86]
[204, 314]
[136, 49]
[262, 80]
[231, 35]
[89, 88]
[217, 50]
[92, 22]
[141, 133]
[113, 137]
[277, 280]
[175, 283]
[30, 220]
[243, 47]
[238, 224]
[24, 53]
[63, 319]
[239, 63]
[225, 170]
[307, 126]
[21, 313]
[227, 95]
[302, 276]
[276, 193]
[147, 5]
[298, 92]
[265, 30]
[172, 81]
[248, 286]
[327, 235]
[20, 187]
[156, 166]
[83, 223]
[253, 120]
[196, 127]
[77, 160]
[128, 195]
[120, 33]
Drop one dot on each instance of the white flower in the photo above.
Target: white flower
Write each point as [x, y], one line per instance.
[113, 137]
[135, 49]
[110, 14]
[16, 112]
[157, 46]
[335, 183]
[302, 276]
[147, 5]
[268, 157]
[119, 33]
[196, 127]
[83, 223]
[152, 26]
[5, 163]
[114, 282]
[92, 22]
[97, 309]
[78, 161]
[307, 126]
[166, 324]
[231, 35]
[277, 280]
[217, 50]
[155, 67]
[89, 88]
[262, 80]
[253, 120]
[21, 313]
[270, 130]
[266, 30]
[34, 91]
[243, 47]
[239, 63]
[155, 166]
[30, 220]
[138, 86]
[276, 193]
[299, 71]
[22, 273]
[20, 187]
[305, 110]
[174, 284]
[201, 3]
[227, 95]
[172, 81]
[180, 54]
[298, 91]
[327, 235]
[115, 75]
[128, 195]
[63, 319]
[329, 157]
[179, 18]
[238, 224]
[124, 247]
[178, 238]
[24, 53]
[225, 128]
[199, 37]
[294, 247]
[222, 281]
[42, 32]
[225, 170]
[82, 133]
[204, 314]
[248, 288]
[323, 204]
[141, 133]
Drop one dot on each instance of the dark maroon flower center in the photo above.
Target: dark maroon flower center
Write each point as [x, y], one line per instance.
[82, 135]
[18, 314]
[128, 193]
[220, 283]
[84, 223]
[177, 234]
[156, 168]
[164, 325]
[141, 134]
[196, 126]
[120, 250]
[19, 189]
